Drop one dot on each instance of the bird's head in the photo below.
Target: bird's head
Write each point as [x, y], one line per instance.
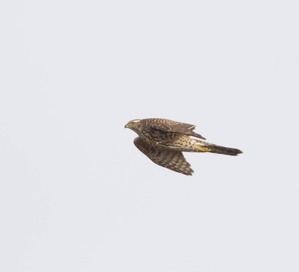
[134, 125]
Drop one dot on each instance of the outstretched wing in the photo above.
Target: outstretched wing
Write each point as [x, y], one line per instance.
[171, 159]
[154, 124]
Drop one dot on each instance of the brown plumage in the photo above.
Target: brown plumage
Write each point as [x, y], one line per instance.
[163, 141]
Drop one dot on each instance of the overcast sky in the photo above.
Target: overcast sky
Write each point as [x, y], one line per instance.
[75, 193]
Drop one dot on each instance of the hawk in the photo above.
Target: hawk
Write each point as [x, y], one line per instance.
[163, 141]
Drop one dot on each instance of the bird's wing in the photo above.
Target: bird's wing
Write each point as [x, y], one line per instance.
[172, 126]
[171, 159]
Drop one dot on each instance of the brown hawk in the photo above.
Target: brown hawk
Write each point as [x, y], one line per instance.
[163, 141]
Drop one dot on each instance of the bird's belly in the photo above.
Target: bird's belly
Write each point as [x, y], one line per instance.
[184, 144]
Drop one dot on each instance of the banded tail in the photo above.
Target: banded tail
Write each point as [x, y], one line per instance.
[219, 149]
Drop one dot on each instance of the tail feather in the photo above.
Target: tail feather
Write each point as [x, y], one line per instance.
[221, 150]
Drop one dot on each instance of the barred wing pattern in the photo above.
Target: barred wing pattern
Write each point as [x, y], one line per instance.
[171, 159]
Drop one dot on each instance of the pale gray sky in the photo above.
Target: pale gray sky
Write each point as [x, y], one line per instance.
[75, 193]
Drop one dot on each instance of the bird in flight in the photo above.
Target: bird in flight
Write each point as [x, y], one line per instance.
[163, 141]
